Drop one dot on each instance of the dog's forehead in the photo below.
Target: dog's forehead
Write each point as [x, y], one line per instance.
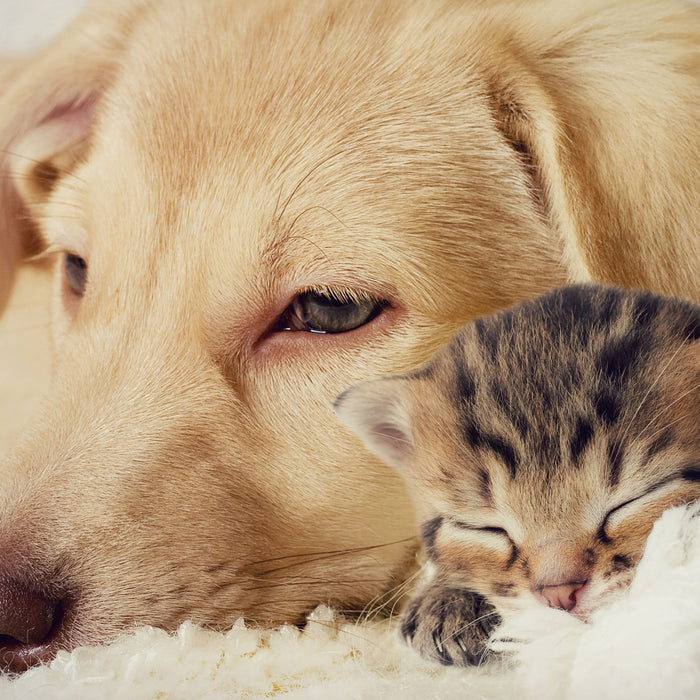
[277, 94]
[273, 141]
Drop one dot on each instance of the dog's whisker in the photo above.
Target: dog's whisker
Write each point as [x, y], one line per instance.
[283, 584]
[311, 557]
[345, 631]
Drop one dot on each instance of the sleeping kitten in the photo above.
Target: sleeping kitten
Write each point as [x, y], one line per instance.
[539, 448]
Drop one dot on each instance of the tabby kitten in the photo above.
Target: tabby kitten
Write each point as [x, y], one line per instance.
[539, 448]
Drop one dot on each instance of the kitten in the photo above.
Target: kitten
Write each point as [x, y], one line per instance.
[539, 448]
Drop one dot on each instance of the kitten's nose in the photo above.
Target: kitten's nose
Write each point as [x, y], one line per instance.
[562, 595]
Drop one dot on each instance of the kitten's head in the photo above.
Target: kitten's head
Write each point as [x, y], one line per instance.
[541, 445]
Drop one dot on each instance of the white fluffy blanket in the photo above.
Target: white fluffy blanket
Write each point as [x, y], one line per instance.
[644, 647]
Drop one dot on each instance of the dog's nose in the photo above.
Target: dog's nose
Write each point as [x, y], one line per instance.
[27, 620]
[26, 616]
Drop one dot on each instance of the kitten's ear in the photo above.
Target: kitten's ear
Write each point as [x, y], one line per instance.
[48, 102]
[379, 412]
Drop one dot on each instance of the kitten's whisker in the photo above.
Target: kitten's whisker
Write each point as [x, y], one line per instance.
[408, 583]
[456, 635]
[374, 607]
[339, 630]
[660, 413]
[648, 392]
[377, 604]
[668, 425]
[471, 623]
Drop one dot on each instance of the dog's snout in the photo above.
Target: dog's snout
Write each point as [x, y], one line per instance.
[28, 620]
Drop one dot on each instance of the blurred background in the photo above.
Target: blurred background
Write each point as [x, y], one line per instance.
[26, 24]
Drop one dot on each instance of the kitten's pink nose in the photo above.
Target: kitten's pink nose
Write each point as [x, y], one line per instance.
[562, 595]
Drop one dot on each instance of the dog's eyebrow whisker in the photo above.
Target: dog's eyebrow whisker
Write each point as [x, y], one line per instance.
[298, 186]
[312, 243]
[61, 172]
[45, 255]
[14, 154]
[277, 203]
[317, 207]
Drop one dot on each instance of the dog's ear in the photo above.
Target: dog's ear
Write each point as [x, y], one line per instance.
[47, 105]
[603, 112]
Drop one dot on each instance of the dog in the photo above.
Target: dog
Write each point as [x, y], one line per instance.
[252, 205]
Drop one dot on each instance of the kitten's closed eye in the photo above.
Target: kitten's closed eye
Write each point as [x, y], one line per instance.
[488, 529]
[653, 500]
[488, 537]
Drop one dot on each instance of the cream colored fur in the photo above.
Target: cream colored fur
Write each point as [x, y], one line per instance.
[213, 160]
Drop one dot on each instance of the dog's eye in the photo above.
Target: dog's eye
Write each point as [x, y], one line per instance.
[329, 312]
[75, 269]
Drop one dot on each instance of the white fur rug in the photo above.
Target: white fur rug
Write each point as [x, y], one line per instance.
[644, 647]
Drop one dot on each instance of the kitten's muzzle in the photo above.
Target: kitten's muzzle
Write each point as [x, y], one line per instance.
[562, 595]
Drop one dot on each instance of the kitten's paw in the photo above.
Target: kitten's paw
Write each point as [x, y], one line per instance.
[449, 625]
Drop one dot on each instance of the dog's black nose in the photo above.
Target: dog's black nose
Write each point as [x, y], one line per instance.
[27, 622]
[25, 615]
